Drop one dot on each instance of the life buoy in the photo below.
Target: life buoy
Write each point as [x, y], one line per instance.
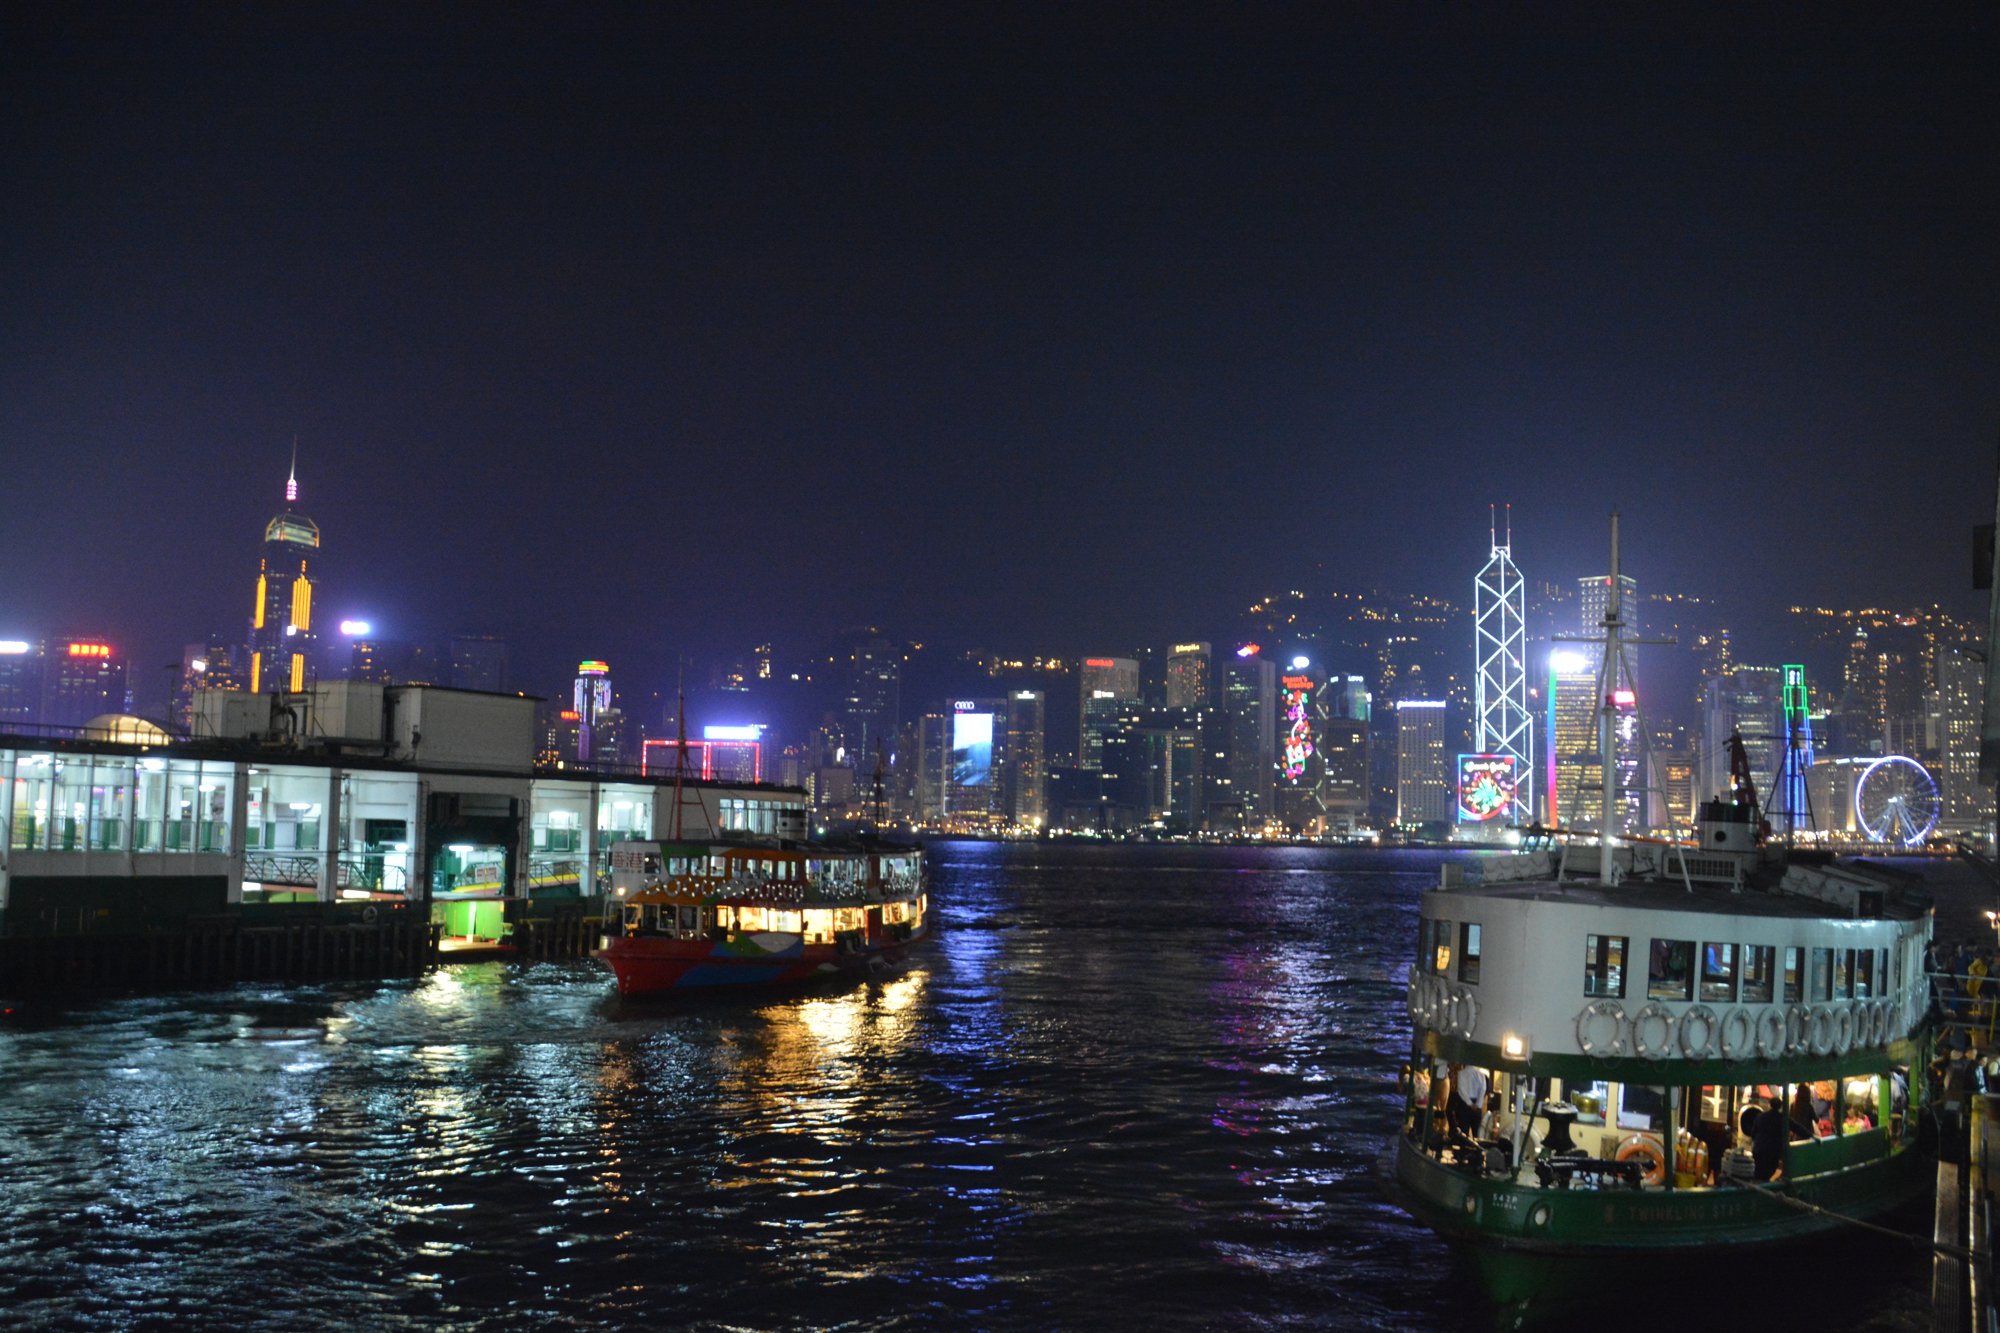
[1739, 1021]
[1645, 1049]
[1698, 1013]
[1645, 1148]
[1465, 1013]
[1586, 1028]
[1865, 1023]
[1798, 1030]
[1770, 1032]
[1892, 1025]
[1843, 1029]
[1413, 1001]
[368, 915]
[1822, 1030]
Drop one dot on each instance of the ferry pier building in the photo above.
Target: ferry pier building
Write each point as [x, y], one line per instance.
[346, 829]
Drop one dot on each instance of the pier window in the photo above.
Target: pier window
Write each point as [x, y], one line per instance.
[1864, 974]
[1795, 977]
[1468, 952]
[1670, 970]
[1604, 966]
[1718, 973]
[1843, 974]
[1822, 975]
[1759, 966]
[34, 781]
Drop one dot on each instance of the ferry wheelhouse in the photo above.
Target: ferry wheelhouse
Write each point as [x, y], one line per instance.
[1628, 1049]
[699, 915]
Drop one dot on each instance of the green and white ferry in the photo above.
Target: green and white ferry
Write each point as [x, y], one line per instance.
[1625, 1025]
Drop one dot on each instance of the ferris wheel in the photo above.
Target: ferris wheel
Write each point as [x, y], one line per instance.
[1896, 801]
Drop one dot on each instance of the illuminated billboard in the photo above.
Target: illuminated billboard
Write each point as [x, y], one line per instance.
[1296, 747]
[1486, 786]
[971, 749]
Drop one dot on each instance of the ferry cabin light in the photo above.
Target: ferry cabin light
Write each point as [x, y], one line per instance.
[1513, 1047]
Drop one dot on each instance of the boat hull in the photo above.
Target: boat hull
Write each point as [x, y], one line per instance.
[1542, 1254]
[646, 965]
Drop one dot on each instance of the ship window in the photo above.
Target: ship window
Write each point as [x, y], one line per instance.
[1759, 962]
[1843, 974]
[1440, 961]
[1864, 974]
[1822, 975]
[1468, 952]
[1670, 971]
[1795, 986]
[1604, 965]
[1718, 973]
[688, 919]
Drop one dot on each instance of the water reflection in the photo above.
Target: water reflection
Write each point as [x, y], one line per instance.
[1121, 1086]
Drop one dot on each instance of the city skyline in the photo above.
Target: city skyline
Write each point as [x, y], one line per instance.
[626, 335]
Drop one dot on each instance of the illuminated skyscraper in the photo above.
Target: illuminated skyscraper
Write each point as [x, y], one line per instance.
[478, 662]
[1026, 749]
[1250, 698]
[871, 684]
[1961, 686]
[1749, 700]
[1105, 685]
[1575, 795]
[81, 680]
[1500, 639]
[1423, 764]
[20, 680]
[591, 701]
[281, 621]
[1188, 675]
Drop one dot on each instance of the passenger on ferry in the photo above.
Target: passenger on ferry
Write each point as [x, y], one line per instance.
[1468, 1099]
[1803, 1120]
[1767, 1142]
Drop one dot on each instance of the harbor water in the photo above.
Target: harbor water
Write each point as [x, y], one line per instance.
[1121, 1087]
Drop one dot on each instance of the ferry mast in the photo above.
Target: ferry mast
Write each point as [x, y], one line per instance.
[1505, 726]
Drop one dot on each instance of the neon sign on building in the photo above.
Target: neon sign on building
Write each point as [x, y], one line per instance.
[1298, 741]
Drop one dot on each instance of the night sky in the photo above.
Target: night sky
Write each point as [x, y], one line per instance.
[633, 332]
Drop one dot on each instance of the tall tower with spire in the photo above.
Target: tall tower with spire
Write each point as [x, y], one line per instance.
[1505, 726]
[281, 621]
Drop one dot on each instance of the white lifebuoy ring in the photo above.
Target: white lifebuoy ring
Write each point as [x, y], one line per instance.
[1706, 1016]
[1465, 1013]
[1798, 1030]
[1822, 1031]
[1645, 1049]
[1430, 1002]
[1412, 1001]
[368, 915]
[1586, 1040]
[1843, 1029]
[1770, 1032]
[1892, 1025]
[1867, 1019]
[1743, 1045]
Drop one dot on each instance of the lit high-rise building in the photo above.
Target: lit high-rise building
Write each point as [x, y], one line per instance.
[1105, 685]
[209, 665]
[590, 699]
[1423, 763]
[871, 683]
[1574, 795]
[1250, 698]
[281, 620]
[1961, 689]
[1748, 700]
[1027, 752]
[1504, 726]
[20, 680]
[1188, 675]
[81, 679]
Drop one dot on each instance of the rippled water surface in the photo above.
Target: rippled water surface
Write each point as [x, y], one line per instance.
[1121, 1087]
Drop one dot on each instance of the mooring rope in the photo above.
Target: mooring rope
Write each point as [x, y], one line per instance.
[1919, 1242]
